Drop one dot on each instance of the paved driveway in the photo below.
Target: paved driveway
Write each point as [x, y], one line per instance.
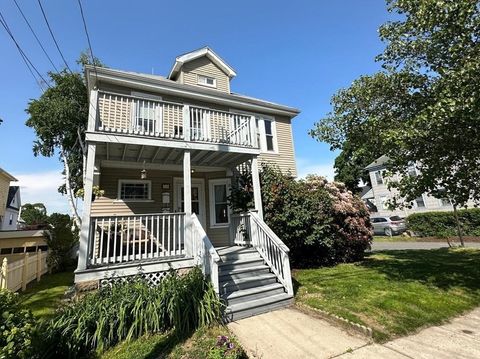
[383, 246]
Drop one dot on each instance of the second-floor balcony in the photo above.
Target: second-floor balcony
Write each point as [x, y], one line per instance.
[132, 115]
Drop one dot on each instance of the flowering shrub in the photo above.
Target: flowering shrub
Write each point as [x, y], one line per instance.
[224, 348]
[321, 222]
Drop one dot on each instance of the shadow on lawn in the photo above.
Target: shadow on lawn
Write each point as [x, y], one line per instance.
[442, 268]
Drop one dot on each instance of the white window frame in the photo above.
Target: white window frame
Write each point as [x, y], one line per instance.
[132, 181]
[202, 81]
[157, 111]
[383, 202]
[211, 196]
[263, 133]
[424, 202]
[380, 172]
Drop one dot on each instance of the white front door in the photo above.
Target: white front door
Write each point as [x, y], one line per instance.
[198, 198]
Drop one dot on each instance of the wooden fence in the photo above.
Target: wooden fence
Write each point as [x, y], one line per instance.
[17, 274]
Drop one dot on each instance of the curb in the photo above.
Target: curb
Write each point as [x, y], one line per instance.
[359, 328]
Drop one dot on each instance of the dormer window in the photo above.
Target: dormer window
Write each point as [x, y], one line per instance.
[207, 81]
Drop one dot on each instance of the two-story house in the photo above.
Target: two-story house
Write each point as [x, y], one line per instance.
[380, 193]
[9, 201]
[165, 151]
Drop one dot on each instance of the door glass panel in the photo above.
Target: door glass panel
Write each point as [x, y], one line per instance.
[196, 207]
[194, 193]
[220, 194]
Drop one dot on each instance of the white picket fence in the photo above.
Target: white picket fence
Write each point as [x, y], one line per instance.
[17, 274]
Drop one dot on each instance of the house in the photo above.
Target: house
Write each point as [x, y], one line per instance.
[9, 201]
[380, 194]
[165, 151]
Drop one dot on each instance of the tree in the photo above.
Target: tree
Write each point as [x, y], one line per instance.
[61, 241]
[59, 118]
[34, 214]
[422, 109]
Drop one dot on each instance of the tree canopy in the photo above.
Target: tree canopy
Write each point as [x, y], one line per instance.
[422, 108]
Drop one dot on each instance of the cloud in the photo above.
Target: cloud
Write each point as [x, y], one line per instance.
[42, 187]
[306, 167]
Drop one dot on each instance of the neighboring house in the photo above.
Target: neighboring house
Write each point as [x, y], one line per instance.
[5, 201]
[380, 194]
[166, 151]
[12, 211]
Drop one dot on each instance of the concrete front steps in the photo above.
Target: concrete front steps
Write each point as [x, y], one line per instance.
[247, 285]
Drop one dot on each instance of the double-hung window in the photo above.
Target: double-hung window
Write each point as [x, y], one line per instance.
[266, 131]
[134, 190]
[146, 113]
[219, 191]
[420, 202]
[379, 177]
[206, 81]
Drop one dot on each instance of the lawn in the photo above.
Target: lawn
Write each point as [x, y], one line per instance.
[397, 292]
[43, 298]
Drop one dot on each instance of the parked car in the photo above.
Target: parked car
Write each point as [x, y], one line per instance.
[388, 225]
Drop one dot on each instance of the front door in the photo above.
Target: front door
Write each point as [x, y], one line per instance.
[198, 198]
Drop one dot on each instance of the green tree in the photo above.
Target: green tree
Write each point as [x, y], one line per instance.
[422, 109]
[61, 241]
[34, 214]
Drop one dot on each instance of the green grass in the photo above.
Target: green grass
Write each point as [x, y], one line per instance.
[396, 292]
[201, 345]
[44, 297]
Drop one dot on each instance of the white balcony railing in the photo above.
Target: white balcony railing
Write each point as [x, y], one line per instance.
[117, 239]
[147, 117]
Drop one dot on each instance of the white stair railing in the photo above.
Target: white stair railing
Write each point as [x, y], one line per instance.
[204, 253]
[271, 248]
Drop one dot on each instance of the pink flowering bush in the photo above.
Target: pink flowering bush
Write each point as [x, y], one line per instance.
[321, 222]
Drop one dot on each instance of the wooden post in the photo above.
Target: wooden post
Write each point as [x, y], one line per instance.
[39, 265]
[257, 193]
[3, 278]
[87, 202]
[186, 122]
[253, 132]
[187, 200]
[24, 271]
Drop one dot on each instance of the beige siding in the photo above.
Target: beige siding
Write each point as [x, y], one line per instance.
[108, 205]
[203, 66]
[4, 187]
[285, 158]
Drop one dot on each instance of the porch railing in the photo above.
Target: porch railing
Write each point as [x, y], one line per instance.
[250, 229]
[204, 252]
[154, 118]
[117, 239]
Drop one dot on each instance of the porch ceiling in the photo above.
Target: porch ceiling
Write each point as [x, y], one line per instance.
[168, 156]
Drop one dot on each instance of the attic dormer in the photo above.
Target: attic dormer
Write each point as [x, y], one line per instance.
[202, 68]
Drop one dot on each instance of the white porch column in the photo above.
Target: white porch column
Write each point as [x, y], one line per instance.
[187, 200]
[257, 193]
[87, 203]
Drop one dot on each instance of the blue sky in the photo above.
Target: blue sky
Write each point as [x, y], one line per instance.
[297, 53]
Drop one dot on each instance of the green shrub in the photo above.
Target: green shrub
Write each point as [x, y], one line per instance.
[17, 327]
[443, 224]
[126, 311]
[321, 222]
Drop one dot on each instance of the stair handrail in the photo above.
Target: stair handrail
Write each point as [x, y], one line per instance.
[205, 254]
[278, 261]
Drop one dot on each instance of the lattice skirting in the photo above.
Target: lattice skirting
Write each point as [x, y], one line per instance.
[153, 278]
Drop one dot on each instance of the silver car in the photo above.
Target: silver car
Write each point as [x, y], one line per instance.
[388, 225]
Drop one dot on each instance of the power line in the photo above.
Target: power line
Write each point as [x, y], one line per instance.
[53, 36]
[88, 39]
[25, 58]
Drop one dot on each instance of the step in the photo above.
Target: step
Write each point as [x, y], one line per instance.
[235, 253]
[250, 294]
[243, 272]
[257, 306]
[229, 284]
[240, 263]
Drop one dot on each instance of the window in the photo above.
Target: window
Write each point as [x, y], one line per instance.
[379, 177]
[134, 190]
[206, 81]
[395, 218]
[445, 202]
[420, 202]
[219, 191]
[266, 134]
[383, 201]
[6, 250]
[10, 220]
[412, 170]
[269, 135]
[146, 113]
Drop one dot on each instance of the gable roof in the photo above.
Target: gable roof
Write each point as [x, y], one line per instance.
[193, 55]
[379, 162]
[12, 191]
[7, 175]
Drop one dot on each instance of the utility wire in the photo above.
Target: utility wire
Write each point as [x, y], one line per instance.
[25, 58]
[35, 35]
[89, 43]
[53, 36]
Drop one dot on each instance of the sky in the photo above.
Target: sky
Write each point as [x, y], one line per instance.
[297, 53]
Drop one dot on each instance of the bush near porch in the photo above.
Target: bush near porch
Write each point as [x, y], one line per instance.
[321, 222]
[443, 224]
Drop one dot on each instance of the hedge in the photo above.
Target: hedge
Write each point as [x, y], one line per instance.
[442, 224]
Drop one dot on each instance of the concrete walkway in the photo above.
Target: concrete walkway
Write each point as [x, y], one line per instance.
[291, 334]
[387, 246]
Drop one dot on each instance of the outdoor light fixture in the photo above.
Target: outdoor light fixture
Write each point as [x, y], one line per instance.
[143, 173]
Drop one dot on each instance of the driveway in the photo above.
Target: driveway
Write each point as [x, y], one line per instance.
[289, 333]
[387, 246]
